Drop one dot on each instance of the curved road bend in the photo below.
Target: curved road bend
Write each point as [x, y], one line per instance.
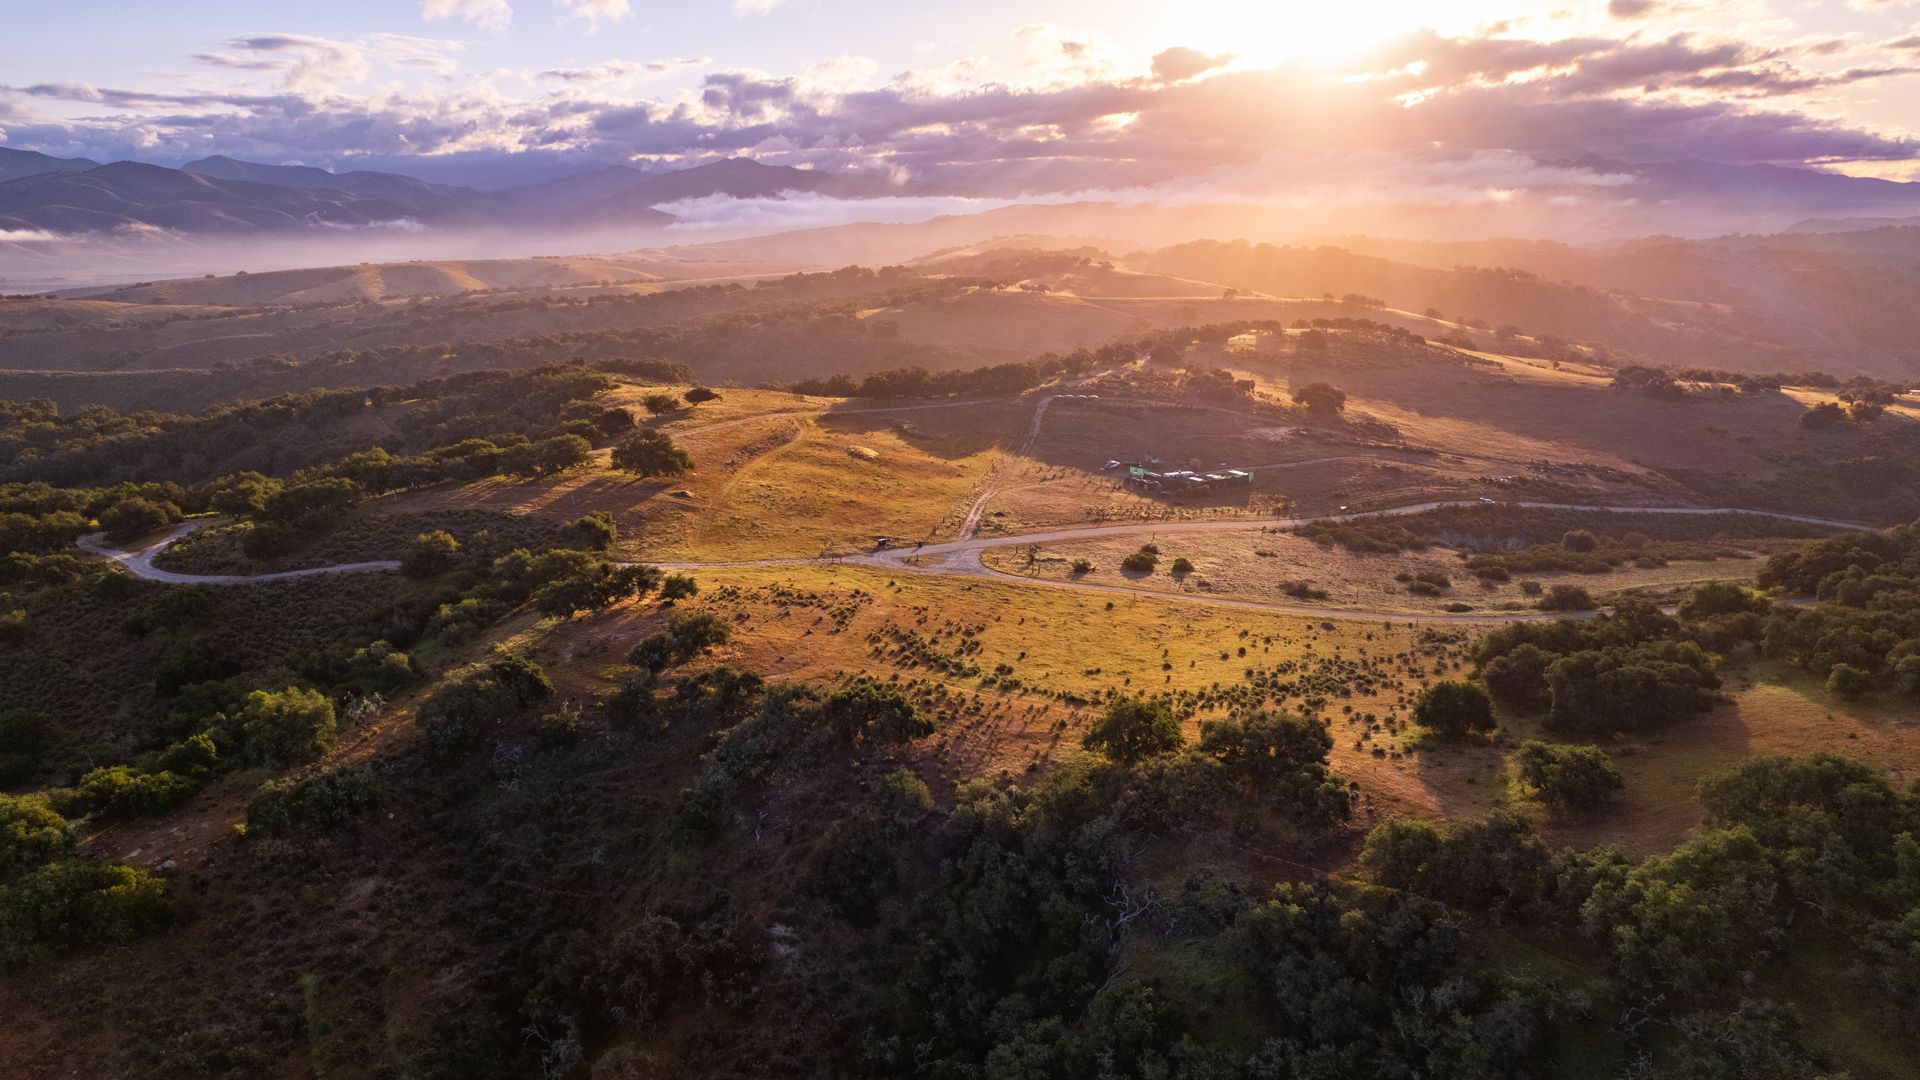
[140, 564]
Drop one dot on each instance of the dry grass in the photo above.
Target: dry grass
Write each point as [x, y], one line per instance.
[1230, 565]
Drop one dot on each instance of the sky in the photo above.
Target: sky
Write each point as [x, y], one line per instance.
[1195, 100]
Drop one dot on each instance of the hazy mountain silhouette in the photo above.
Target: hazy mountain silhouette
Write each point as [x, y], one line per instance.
[15, 164]
[384, 184]
[566, 192]
[134, 193]
[741, 178]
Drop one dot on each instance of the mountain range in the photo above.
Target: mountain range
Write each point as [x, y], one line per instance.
[223, 195]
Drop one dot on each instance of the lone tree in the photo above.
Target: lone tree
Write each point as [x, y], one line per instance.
[1568, 777]
[657, 404]
[699, 394]
[1132, 730]
[1321, 399]
[647, 452]
[1454, 708]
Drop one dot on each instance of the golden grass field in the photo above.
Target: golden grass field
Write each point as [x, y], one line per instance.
[1252, 564]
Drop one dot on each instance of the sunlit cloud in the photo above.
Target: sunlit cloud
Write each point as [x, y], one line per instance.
[1446, 111]
[744, 8]
[594, 11]
[491, 15]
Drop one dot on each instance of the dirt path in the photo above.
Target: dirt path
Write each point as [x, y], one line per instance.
[140, 563]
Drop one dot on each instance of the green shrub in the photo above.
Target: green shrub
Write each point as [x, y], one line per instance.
[117, 791]
[679, 587]
[1721, 598]
[594, 531]
[76, 904]
[1566, 598]
[289, 727]
[313, 502]
[1302, 590]
[659, 404]
[1517, 678]
[1630, 688]
[1454, 708]
[1321, 400]
[130, 518]
[633, 706]
[1082, 566]
[1182, 566]
[429, 554]
[461, 710]
[1132, 730]
[649, 453]
[379, 668]
[1531, 588]
[878, 711]
[31, 834]
[1141, 562]
[1579, 540]
[1281, 758]
[697, 816]
[325, 802]
[1569, 777]
[196, 756]
[1849, 681]
[557, 729]
[685, 636]
[857, 863]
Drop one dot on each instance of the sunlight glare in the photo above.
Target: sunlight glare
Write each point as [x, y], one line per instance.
[1267, 33]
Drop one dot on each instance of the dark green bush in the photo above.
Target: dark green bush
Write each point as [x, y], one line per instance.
[871, 709]
[648, 453]
[76, 904]
[135, 517]
[594, 531]
[1132, 730]
[325, 802]
[1567, 598]
[1569, 777]
[1454, 708]
[686, 635]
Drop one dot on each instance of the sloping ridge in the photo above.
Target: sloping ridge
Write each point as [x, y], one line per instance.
[740, 178]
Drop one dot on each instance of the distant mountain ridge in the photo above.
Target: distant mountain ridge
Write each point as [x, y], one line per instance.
[16, 164]
[40, 192]
[225, 195]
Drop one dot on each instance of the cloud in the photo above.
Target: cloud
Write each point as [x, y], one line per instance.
[621, 71]
[490, 15]
[1180, 63]
[26, 236]
[1447, 112]
[1633, 9]
[1057, 57]
[594, 11]
[744, 8]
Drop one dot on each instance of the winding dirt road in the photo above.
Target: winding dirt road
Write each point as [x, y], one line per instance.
[961, 558]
